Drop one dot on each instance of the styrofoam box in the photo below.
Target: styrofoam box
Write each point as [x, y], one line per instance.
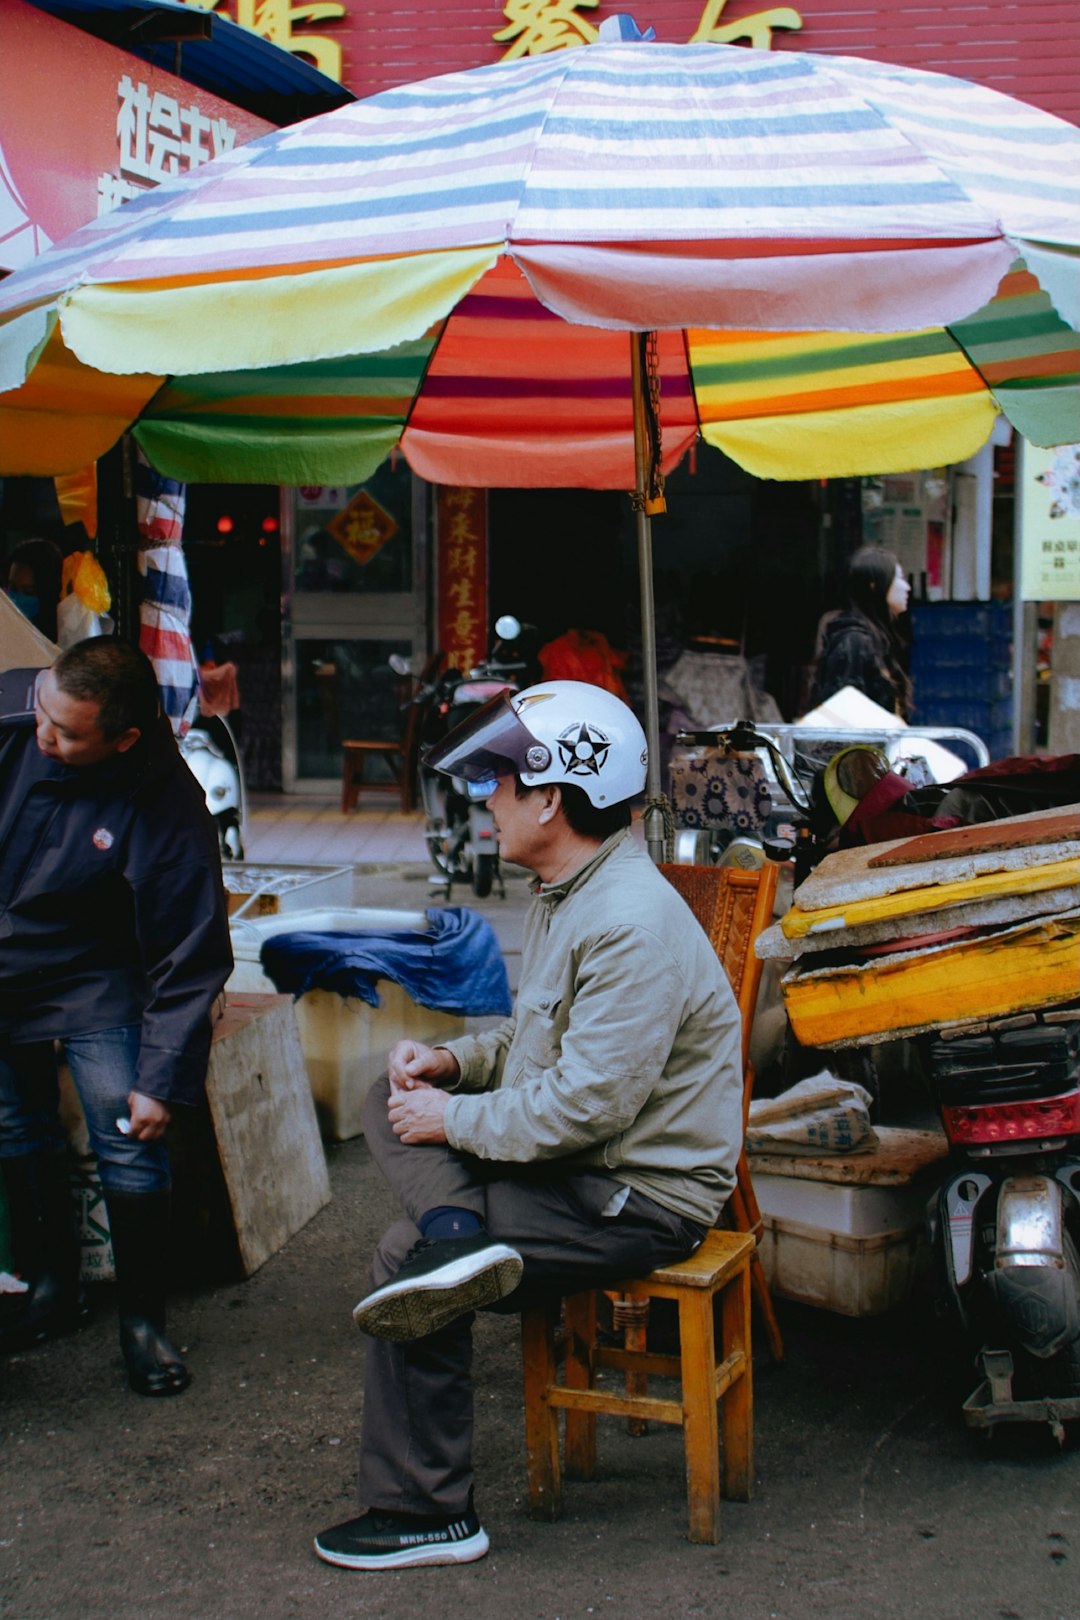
[856, 1250]
[345, 1041]
[259, 889]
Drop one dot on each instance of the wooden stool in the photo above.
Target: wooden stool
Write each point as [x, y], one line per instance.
[353, 758]
[720, 1266]
[402, 757]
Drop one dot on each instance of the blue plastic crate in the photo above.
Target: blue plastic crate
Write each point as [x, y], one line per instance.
[975, 635]
[960, 683]
[984, 719]
[929, 652]
[982, 620]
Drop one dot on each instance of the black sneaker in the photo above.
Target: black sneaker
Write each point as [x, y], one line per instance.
[400, 1540]
[439, 1280]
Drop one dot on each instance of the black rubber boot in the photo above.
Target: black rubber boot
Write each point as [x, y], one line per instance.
[45, 1249]
[139, 1224]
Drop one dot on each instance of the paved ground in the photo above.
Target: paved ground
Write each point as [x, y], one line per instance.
[871, 1498]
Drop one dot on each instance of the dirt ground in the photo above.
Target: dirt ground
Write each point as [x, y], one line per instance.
[871, 1498]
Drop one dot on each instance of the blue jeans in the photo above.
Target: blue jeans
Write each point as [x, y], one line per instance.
[103, 1067]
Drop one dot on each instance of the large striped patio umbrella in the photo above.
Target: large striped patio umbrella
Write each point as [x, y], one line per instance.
[845, 267]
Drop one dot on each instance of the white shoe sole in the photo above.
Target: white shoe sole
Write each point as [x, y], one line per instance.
[414, 1307]
[439, 1552]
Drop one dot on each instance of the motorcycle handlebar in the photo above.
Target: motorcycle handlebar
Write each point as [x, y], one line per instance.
[495, 666]
[744, 738]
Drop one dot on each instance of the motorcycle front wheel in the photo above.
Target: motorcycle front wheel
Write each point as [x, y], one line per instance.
[483, 875]
[438, 848]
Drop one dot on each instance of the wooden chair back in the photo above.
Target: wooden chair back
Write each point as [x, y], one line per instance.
[733, 905]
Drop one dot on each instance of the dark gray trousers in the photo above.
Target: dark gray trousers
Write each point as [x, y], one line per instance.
[417, 1428]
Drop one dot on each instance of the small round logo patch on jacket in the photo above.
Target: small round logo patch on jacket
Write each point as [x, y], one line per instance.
[102, 839]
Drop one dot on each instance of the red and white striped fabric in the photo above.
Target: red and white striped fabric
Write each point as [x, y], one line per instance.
[165, 604]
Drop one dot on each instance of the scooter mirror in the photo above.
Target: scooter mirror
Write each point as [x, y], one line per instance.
[507, 627]
[399, 665]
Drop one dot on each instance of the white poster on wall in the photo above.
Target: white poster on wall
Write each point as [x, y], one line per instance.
[1049, 492]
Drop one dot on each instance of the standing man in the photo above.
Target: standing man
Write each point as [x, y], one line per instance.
[591, 1137]
[114, 939]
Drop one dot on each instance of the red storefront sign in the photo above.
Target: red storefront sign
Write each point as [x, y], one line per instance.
[1030, 51]
[461, 528]
[84, 125]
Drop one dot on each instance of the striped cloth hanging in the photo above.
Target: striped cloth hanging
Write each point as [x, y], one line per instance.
[165, 597]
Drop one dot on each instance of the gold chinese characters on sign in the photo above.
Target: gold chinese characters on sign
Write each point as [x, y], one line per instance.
[538, 26]
[279, 22]
[461, 521]
[757, 29]
[533, 27]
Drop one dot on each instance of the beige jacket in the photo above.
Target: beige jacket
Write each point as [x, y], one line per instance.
[623, 1054]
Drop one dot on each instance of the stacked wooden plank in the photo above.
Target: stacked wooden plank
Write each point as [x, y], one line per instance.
[931, 933]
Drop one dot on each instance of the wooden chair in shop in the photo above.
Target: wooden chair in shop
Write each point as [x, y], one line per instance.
[400, 756]
[734, 905]
[713, 1360]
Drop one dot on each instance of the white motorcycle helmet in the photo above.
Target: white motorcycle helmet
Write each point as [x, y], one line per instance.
[558, 731]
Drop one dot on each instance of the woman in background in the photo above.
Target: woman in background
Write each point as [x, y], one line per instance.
[860, 646]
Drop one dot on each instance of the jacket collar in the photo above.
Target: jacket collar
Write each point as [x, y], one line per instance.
[152, 757]
[565, 886]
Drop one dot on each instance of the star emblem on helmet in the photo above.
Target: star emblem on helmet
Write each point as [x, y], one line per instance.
[583, 750]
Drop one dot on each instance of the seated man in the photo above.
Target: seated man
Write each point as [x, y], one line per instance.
[591, 1137]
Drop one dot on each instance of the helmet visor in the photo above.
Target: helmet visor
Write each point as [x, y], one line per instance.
[489, 744]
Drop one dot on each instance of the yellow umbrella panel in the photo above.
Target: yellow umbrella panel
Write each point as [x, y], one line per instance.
[504, 392]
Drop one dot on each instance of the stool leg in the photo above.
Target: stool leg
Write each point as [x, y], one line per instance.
[541, 1418]
[701, 1432]
[579, 1372]
[352, 779]
[747, 1218]
[630, 1316]
[738, 1403]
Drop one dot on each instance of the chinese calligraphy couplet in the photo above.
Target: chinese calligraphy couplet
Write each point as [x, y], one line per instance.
[462, 574]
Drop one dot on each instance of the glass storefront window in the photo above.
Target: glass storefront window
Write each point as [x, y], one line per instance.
[356, 539]
[345, 689]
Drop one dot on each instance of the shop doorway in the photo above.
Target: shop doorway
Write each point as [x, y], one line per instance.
[354, 576]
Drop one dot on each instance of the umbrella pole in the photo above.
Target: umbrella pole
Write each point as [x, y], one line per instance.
[654, 816]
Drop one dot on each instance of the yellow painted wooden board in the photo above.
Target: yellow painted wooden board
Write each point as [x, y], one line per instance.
[848, 875]
[798, 924]
[1018, 969]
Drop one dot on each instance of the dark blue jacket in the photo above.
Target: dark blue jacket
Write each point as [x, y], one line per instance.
[112, 909]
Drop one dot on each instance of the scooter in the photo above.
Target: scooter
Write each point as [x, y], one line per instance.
[211, 755]
[1005, 1225]
[744, 791]
[460, 830]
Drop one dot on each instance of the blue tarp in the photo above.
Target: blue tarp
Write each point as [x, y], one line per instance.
[453, 966]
